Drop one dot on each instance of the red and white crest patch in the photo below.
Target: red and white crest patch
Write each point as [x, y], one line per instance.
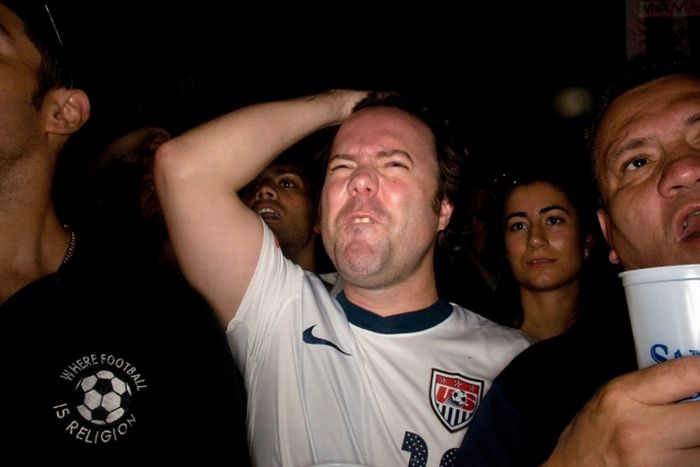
[454, 398]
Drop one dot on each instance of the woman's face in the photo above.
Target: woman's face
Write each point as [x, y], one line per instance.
[543, 238]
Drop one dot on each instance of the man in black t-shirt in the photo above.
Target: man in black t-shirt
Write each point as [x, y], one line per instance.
[103, 360]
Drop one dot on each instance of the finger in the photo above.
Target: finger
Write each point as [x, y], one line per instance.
[680, 458]
[665, 382]
[684, 426]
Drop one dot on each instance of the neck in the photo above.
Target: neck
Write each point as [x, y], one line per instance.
[31, 247]
[305, 257]
[413, 293]
[549, 313]
[33, 241]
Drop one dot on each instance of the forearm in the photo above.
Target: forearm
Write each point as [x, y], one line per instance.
[216, 237]
[228, 152]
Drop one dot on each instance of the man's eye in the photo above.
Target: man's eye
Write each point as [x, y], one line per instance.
[635, 163]
[287, 184]
[554, 220]
[396, 164]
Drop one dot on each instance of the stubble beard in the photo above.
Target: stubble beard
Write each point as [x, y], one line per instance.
[361, 263]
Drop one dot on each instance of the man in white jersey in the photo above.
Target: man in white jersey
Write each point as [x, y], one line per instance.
[386, 374]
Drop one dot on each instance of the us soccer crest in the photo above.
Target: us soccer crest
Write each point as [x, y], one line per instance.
[454, 398]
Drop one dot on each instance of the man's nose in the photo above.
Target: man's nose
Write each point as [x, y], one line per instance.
[680, 174]
[265, 191]
[363, 182]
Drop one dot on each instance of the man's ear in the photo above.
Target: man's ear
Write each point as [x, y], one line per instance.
[604, 221]
[446, 208]
[68, 110]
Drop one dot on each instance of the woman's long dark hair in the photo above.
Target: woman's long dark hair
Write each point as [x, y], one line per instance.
[577, 185]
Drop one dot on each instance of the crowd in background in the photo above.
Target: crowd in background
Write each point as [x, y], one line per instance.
[142, 318]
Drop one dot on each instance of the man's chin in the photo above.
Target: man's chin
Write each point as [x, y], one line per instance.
[361, 274]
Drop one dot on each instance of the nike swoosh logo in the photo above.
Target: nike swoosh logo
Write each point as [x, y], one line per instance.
[309, 338]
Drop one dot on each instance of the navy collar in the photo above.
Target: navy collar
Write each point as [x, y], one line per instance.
[411, 321]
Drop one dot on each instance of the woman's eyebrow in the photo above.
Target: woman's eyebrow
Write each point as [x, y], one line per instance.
[515, 214]
[554, 207]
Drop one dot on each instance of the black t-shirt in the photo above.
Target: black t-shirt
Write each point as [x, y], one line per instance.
[533, 399]
[108, 362]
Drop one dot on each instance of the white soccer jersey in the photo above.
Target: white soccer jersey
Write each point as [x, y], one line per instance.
[330, 382]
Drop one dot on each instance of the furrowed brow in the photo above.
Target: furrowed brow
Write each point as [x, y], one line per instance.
[394, 152]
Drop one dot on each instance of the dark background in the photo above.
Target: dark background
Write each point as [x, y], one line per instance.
[496, 67]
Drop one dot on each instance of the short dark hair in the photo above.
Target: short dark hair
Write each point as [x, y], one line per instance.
[634, 73]
[42, 29]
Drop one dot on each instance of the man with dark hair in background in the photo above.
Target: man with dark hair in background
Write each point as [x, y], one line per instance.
[104, 362]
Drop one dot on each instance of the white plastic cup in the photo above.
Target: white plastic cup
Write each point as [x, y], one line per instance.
[664, 309]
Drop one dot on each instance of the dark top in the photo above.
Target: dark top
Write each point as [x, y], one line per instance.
[531, 402]
[109, 363]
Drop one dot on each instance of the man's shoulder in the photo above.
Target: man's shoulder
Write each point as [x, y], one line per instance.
[483, 324]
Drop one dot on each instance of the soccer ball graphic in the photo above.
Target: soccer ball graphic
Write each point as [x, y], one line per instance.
[458, 398]
[105, 398]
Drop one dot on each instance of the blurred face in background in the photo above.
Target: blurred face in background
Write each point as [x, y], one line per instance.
[283, 198]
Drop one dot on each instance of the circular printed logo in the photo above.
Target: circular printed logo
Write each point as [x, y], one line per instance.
[103, 398]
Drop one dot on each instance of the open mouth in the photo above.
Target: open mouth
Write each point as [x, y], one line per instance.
[691, 226]
[268, 214]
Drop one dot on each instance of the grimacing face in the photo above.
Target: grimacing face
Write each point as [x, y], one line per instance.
[379, 222]
[282, 197]
[648, 170]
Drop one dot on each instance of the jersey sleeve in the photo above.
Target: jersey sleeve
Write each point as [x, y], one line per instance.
[276, 281]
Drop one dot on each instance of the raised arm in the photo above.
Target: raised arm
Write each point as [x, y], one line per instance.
[216, 238]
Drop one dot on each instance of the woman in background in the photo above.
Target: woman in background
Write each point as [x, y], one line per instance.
[547, 224]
